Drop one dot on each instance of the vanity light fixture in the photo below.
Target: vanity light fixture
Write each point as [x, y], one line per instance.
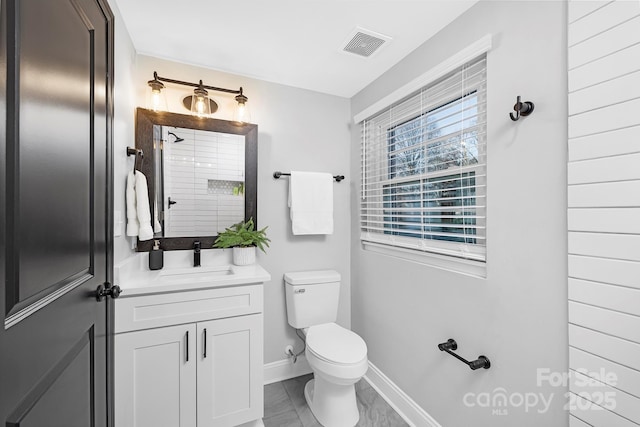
[199, 103]
[241, 113]
[156, 99]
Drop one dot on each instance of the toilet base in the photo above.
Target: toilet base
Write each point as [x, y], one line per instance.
[333, 405]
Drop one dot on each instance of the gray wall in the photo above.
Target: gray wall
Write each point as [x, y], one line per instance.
[297, 130]
[516, 316]
[123, 128]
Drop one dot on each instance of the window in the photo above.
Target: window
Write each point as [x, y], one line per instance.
[424, 168]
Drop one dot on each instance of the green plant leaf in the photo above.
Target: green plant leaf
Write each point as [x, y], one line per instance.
[243, 234]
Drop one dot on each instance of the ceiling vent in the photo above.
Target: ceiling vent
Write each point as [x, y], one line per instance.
[365, 42]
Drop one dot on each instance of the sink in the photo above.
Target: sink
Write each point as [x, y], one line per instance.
[194, 273]
[134, 277]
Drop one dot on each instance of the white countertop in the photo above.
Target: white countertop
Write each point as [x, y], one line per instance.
[134, 277]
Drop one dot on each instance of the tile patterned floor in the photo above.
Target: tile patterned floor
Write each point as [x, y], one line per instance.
[285, 406]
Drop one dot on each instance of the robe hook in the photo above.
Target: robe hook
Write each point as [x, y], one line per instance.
[522, 109]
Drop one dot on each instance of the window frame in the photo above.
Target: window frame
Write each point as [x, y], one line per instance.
[438, 252]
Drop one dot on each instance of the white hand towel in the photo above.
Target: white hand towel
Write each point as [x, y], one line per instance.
[311, 203]
[142, 207]
[132, 214]
[157, 228]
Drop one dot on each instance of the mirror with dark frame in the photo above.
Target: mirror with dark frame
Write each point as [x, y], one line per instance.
[157, 133]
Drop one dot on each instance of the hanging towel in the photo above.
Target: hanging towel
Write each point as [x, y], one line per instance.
[311, 203]
[142, 207]
[132, 215]
[138, 213]
[157, 228]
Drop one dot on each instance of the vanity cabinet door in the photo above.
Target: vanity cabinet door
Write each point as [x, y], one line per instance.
[230, 371]
[155, 375]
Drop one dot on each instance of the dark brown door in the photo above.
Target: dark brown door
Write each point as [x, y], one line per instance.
[55, 237]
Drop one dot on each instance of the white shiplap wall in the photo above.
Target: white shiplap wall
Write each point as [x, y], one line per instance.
[604, 212]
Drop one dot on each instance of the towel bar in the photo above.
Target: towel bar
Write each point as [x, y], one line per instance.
[450, 346]
[278, 174]
[135, 152]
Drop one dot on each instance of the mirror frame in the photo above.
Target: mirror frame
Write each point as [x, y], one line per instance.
[146, 119]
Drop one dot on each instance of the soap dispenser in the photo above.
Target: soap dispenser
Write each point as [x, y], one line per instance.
[156, 257]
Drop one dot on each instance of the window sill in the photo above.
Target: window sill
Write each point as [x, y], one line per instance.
[448, 263]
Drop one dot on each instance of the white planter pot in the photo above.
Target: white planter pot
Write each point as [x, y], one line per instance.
[244, 256]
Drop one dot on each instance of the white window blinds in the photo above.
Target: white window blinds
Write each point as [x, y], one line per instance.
[423, 166]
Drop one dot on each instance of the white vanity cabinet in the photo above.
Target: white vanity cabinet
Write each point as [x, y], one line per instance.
[187, 359]
[155, 383]
[230, 379]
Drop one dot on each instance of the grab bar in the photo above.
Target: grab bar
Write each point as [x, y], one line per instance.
[450, 346]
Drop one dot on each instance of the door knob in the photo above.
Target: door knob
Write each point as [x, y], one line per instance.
[108, 291]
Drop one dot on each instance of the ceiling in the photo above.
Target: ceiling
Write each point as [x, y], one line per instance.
[292, 42]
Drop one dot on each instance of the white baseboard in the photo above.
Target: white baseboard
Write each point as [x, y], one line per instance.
[406, 407]
[284, 369]
[255, 423]
[409, 410]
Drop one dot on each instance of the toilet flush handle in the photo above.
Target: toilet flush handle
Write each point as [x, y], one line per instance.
[299, 291]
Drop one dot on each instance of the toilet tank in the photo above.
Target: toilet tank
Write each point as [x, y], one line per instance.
[312, 297]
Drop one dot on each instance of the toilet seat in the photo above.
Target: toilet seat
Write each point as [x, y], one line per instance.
[336, 345]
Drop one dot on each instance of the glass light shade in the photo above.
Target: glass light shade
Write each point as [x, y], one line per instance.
[200, 105]
[156, 99]
[242, 113]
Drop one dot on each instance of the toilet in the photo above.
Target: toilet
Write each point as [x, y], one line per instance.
[337, 356]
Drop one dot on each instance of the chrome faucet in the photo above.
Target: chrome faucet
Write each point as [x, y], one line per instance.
[196, 253]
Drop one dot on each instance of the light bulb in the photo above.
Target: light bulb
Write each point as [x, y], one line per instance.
[200, 105]
[155, 99]
[242, 110]
[241, 113]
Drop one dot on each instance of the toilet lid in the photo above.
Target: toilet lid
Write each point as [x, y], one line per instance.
[336, 344]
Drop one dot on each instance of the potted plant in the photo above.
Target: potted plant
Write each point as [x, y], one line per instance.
[243, 238]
